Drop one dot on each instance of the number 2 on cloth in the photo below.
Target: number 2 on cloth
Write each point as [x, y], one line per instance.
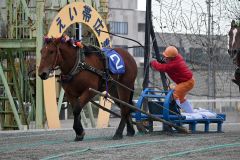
[114, 57]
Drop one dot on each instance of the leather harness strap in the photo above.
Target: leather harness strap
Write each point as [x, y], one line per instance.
[79, 65]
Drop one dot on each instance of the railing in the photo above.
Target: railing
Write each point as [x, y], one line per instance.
[230, 107]
[217, 105]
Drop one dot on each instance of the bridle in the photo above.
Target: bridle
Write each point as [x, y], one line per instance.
[58, 56]
[234, 53]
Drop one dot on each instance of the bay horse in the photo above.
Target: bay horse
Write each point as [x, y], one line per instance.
[234, 49]
[81, 69]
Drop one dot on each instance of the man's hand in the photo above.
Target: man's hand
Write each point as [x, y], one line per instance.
[162, 60]
[153, 64]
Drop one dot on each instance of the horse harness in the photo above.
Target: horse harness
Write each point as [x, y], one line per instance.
[80, 64]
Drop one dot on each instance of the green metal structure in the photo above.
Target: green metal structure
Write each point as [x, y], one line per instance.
[21, 91]
[17, 102]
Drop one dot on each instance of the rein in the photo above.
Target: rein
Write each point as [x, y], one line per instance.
[79, 59]
[55, 66]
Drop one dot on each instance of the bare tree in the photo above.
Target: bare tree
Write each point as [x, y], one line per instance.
[201, 28]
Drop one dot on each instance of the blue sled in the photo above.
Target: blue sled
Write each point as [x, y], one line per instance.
[160, 104]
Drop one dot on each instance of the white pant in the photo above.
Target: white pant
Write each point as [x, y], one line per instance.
[186, 106]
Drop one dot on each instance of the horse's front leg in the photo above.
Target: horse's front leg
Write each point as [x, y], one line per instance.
[77, 125]
[78, 104]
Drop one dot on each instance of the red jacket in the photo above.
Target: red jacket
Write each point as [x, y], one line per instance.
[176, 69]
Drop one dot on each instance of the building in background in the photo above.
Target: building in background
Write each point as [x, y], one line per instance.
[125, 20]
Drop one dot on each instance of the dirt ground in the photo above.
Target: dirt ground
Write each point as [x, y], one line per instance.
[98, 144]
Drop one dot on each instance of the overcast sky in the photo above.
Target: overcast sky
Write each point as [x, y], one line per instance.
[188, 14]
[142, 5]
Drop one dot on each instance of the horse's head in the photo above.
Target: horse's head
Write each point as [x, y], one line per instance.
[234, 49]
[52, 55]
[234, 42]
[49, 57]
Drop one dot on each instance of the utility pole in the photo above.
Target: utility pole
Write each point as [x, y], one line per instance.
[213, 61]
[159, 57]
[147, 43]
[146, 49]
[208, 46]
[211, 67]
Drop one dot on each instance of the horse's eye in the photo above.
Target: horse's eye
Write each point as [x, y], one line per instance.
[51, 52]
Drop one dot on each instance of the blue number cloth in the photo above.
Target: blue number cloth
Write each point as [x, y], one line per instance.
[115, 62]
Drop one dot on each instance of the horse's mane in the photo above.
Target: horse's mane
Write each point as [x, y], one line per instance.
[62, 39]
[87, 49]
[90, 49]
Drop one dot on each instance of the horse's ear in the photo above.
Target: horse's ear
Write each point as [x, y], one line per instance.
[66, 37]
[46, 39]
[233, 24]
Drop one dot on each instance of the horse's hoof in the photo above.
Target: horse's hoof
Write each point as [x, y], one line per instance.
[131, 134]
[168, 129]
[141, 128]
[117, 137]
[79, 137]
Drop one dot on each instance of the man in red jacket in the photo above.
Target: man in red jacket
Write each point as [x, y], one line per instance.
[178, 71]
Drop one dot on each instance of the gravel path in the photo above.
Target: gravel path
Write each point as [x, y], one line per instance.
[97, 144]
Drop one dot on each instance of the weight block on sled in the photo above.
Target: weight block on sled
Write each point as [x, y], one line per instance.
[193, 123]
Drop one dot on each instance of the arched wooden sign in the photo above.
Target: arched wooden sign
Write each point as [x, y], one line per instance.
[76, 12]
[79, 12]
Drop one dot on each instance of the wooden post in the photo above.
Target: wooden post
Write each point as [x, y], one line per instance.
[103, 117]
